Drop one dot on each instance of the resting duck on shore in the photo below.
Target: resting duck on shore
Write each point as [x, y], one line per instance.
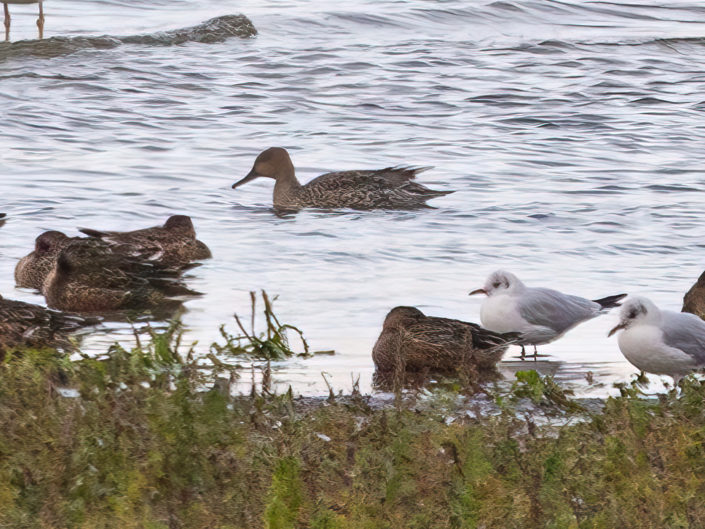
[27, 325]
[411, 341]
[174, 244]
[390, 188]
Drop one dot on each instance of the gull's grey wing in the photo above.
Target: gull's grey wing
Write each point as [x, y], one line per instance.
[684, 331]
[555, 310]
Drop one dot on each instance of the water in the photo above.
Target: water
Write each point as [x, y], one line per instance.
[571, 131]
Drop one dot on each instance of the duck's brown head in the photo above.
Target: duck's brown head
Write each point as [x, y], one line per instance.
[402, 316]
[272, 163]
[49, 242]
[180, 223]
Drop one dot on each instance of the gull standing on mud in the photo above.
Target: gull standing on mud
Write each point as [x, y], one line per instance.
[541, 315]
[390, 188]
[661, 342]
[40, 20]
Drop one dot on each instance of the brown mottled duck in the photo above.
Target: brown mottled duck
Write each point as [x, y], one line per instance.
[89, 277]
[411, 341]
[390, 188]
[694, 299]
[174, 244]
[26, 325]
[32, 269]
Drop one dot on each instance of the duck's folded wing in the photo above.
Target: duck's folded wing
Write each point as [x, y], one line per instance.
[439, 331]
[389, 177]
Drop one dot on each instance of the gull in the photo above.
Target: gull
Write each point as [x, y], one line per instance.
[541, 315]
[661, 342]
[40, 20]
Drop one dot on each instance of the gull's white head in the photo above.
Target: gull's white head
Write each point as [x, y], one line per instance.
[499, 282]
[636, 311]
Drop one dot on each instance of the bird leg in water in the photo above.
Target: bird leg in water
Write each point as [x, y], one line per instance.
[7, 23]
[523, 353]
[536, 354]
[40, 20]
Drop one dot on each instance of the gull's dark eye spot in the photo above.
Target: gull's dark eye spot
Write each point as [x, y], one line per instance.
[632, 314]
[496, 285]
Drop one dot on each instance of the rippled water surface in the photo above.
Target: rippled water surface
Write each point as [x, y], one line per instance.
[572, 132]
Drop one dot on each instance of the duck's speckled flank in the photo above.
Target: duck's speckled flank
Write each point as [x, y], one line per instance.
[390, 188]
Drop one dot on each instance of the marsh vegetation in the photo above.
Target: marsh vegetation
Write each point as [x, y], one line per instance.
[152, 437]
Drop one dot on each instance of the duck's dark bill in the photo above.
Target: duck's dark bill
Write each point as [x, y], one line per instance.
[250, 176]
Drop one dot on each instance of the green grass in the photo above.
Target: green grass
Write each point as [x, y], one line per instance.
[147, 443]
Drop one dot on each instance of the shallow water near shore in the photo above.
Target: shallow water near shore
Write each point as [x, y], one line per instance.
[571, 131]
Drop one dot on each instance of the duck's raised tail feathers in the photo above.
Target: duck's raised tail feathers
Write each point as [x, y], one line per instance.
[403, 173]
[93, 233]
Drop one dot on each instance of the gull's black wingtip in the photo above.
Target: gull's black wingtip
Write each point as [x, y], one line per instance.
[610, 302]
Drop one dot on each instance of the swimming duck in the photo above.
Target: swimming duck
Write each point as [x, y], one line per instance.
[390, 188]
[27, 325]
[694, 299]
[173, 245]
[89, 277]
[40, 20]
[32, 269]
[412, 341]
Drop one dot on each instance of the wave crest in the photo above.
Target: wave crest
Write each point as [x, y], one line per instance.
[211, 31]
